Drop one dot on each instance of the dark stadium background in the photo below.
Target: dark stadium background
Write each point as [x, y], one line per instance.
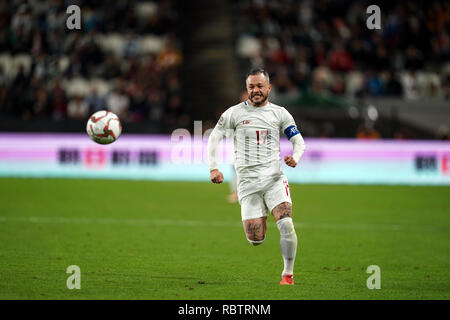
[168, 63]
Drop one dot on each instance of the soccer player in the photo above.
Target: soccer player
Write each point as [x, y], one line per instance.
[255, 126]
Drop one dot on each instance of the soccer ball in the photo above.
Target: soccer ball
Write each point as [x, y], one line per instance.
[104, 127]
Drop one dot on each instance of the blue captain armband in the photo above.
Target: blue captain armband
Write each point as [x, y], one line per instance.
[291, 131]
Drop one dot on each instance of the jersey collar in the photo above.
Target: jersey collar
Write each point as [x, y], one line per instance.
[247, 103]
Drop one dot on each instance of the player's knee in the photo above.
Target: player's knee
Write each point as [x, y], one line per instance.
[256, 241]
[286, 226]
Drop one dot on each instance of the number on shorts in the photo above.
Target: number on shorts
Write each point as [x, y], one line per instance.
[286, 187]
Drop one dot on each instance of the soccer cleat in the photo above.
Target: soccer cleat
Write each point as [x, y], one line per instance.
[287, 279]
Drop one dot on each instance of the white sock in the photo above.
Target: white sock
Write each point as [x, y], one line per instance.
[288, 244]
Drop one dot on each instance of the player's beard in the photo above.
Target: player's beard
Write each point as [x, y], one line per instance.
[261, 102]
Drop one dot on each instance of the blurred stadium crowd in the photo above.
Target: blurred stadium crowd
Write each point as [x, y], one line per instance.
[126, 57]
[323, 47]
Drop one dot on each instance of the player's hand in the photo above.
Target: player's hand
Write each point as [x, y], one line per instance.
[289, 160]
[216, 176]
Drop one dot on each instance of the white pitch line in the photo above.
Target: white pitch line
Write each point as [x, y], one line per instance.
[206, 223]
[112, 221]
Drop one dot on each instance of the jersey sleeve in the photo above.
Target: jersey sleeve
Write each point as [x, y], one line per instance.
[287, 124]
[225, 124]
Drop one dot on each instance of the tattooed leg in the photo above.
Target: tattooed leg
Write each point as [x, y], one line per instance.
[255, 230]
[283, 210]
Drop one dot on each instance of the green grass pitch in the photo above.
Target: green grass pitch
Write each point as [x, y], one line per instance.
[182, 240]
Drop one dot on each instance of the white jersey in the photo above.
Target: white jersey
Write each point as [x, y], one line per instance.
[256, 132]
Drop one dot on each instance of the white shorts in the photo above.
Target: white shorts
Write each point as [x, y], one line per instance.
[259, 195]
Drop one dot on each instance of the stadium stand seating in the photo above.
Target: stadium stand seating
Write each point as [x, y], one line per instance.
[132, 45]
[138, 57]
